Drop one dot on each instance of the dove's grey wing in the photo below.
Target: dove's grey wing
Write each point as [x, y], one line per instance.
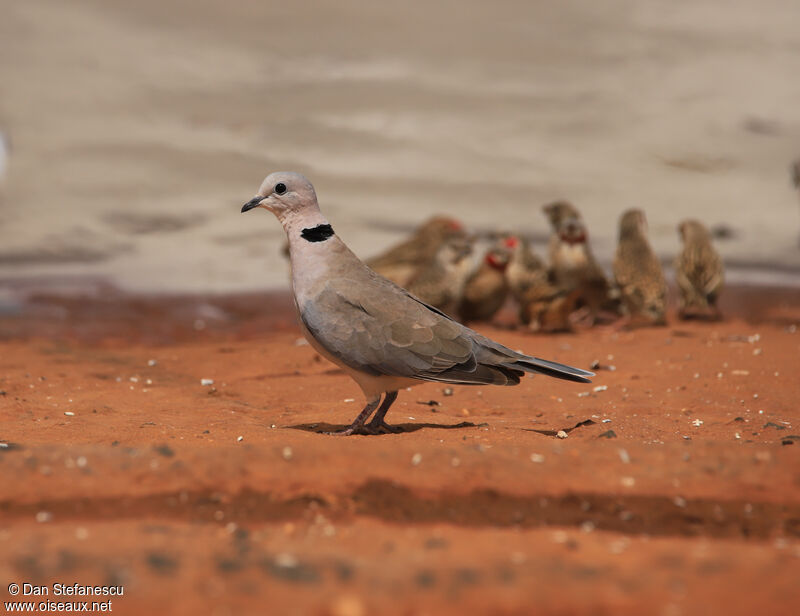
[376, 327]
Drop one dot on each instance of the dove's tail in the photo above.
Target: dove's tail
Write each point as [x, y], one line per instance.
[551, 368]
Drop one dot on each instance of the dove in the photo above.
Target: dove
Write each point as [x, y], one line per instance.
[698, 271]
[638, 271]
[379, 334]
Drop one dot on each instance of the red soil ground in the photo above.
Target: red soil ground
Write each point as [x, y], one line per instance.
[677, 490]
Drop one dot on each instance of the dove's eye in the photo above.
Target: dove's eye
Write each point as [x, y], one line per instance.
[280, 188]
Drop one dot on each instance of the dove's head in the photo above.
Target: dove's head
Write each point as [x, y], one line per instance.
[284, 193]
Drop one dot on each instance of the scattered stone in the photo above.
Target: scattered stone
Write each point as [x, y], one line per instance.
[349, 400]
[426, 579]
[740, 372]
[624, 456]
[607, 434]
[287, 453]
[151, 362]
[697, 423]
[162, 563]
[436, 543]
[416, 459]
[69, 413]
[43, 517]
[447, 391]
[537, 458]
[164, 450]
[206, 382]
[601, 388]
[561, 434]
[287, 567]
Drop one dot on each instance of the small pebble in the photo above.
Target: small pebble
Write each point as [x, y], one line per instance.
[81, 462]
[151, 362]
[69, 413]
[624, 456]
[561, 434]
[601, 388]
[447, 391]
[628, 482]
[349, 400]
[537, 457]
[679, 502]
[287, 453]
[697, 423]
[206, 382]
[44, 516]
[239, 439]
[416, 459]
[455, 462]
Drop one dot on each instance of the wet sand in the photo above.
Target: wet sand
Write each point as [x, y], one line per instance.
[677, 490]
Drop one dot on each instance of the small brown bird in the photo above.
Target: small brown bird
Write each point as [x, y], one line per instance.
[441, 282]
[486, 289]
[638, 272]
[545, 307]
[699, 272]
[542, 305]
[525, 268]
[401, 262]
[572, 264]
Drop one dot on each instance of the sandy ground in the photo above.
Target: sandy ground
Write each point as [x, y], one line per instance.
[139, 128]
[677, 490]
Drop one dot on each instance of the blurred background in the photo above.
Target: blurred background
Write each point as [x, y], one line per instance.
[135, 130]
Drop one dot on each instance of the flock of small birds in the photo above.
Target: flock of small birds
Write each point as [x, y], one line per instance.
[438, 265]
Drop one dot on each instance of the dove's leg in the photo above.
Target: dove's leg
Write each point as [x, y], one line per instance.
[358, 427]
[377, 424]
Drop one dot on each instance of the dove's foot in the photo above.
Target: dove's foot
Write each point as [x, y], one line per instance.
[377, 425]
[381, 427]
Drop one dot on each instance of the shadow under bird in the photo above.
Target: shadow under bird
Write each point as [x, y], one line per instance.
[379, 334]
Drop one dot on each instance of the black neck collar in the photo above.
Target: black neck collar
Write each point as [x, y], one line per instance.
[320, 233]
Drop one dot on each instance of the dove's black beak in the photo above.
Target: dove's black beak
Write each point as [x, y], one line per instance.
[252, 203]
